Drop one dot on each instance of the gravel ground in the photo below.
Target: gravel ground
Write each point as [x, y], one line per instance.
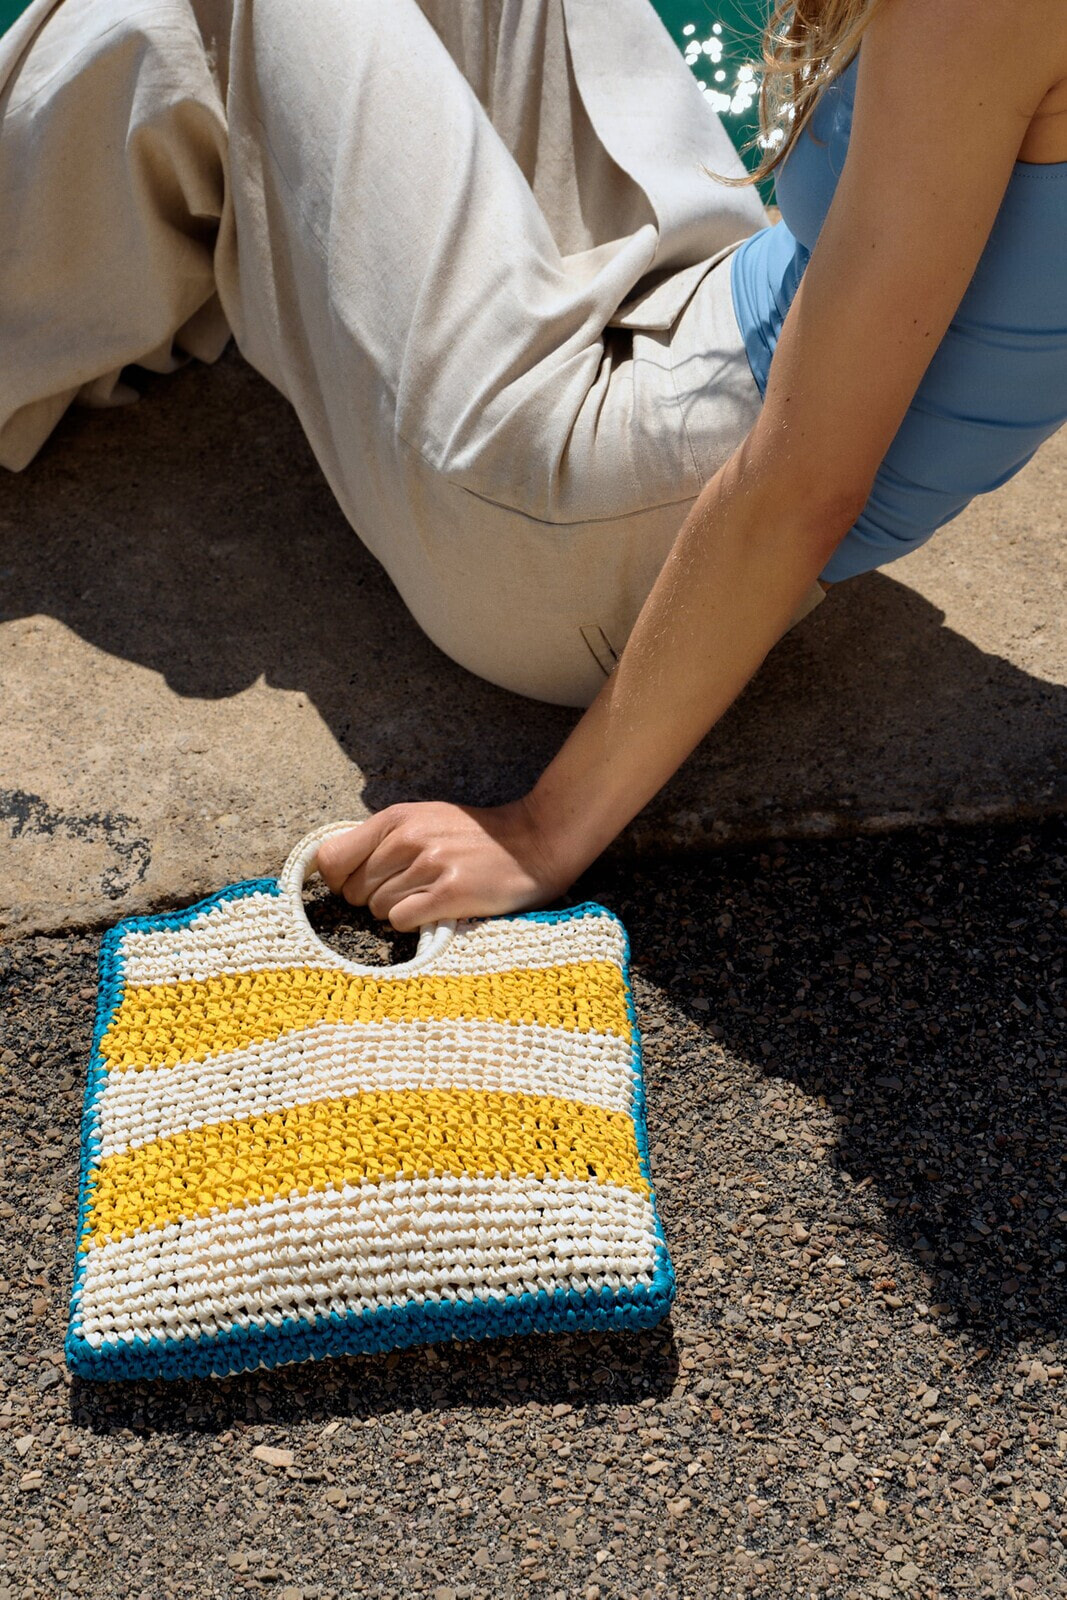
[856, 1066]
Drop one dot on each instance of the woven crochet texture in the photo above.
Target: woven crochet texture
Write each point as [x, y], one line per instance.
[286, 1157]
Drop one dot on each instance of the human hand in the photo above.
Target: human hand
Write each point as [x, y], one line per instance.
[425, 861]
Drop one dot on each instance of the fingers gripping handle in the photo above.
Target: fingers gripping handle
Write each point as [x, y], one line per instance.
[433, 936]
[301, 863]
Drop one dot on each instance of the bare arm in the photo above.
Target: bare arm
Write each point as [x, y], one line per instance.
[945, 92]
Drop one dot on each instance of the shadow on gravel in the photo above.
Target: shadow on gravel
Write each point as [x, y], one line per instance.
[595, 1373]
[909, 986]
[915, 982]
[194, 534]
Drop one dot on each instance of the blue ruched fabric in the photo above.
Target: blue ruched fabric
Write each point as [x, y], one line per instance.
[997, 384]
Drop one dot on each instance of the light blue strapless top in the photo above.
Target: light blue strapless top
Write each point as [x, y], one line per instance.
[997, 384]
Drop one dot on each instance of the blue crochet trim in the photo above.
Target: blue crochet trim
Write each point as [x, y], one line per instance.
[371, 1332]
[356, 1332]
[663, 1280]
[109, 998]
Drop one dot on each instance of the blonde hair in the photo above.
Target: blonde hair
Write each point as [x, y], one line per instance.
[806, 44]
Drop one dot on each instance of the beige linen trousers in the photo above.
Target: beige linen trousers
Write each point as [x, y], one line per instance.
[471, 241]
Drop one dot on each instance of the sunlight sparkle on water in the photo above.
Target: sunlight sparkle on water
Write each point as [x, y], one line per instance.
[711, 50]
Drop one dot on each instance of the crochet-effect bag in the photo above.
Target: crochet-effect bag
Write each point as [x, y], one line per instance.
[287, 1155]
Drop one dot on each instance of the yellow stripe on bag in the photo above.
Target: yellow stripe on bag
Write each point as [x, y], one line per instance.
[368, 1137]
[167, 1023]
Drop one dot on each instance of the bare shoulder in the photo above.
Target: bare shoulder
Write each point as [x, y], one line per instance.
[1019, 48]
[1027, 21]
[946, 92]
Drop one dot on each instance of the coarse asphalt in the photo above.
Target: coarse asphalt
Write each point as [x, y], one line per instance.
[856, 1073]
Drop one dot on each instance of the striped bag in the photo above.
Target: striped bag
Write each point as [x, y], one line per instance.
[288, 1155]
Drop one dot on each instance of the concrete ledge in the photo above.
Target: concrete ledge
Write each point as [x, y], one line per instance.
[199, 661]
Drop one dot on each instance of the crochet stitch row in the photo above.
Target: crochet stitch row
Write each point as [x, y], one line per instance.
[255, 933]
[333, 1062]
[407, 1133]
[188, 1021]
[362, 1247]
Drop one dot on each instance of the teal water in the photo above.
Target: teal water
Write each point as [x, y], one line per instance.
[720, 40]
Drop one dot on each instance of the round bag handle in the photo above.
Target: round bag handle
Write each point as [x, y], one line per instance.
[434, 937]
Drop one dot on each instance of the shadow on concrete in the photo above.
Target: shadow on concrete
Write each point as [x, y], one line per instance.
[916, 981]
[595, 1372]
[193, 534]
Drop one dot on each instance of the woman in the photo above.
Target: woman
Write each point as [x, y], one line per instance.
[476, 247]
